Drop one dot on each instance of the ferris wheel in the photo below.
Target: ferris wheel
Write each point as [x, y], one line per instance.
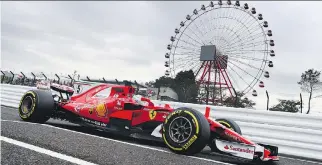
[227, 45]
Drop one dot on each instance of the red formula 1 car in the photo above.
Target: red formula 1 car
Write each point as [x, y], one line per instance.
[116, 108]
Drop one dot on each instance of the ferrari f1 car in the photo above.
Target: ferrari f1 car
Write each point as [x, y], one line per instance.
[116, 108]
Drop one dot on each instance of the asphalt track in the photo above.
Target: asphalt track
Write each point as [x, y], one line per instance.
[59, 142]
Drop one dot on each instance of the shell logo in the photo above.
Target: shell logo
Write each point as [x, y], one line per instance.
[101, 110]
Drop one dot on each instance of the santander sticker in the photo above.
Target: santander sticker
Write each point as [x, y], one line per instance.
[231, 147]
[237, 149]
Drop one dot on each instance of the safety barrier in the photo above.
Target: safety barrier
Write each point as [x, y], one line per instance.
[294, 134]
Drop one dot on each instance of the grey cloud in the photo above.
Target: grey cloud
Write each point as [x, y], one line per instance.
[122, 39]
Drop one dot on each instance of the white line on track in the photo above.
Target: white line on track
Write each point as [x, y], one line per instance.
[45, 151]
[308, 161]
[132, 144]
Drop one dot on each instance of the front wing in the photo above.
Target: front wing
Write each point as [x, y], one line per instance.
[252, 152]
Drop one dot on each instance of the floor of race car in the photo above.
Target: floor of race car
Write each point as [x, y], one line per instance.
[54, 141]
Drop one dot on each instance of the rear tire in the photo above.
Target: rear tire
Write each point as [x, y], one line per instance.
[186, 131]
[36, 106]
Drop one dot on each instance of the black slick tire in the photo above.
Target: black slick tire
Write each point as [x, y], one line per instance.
[196, 139]
[36, 106]
[230, 124]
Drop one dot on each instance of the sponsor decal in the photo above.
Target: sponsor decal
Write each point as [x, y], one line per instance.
[232, 136]
[101, 110]
[147, 109]
[237, 149]
[152, 114]
[94, 122]
[118, 108]
[77, 108]
[118, 103]
[188, 144]
[90, 110]
[171, 114]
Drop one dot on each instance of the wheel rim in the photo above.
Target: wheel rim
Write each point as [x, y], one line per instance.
[27, 104]
[180, 129]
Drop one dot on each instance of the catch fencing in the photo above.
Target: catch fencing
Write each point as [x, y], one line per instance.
[294, 134]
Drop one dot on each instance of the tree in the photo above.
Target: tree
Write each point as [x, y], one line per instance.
[310, 82]
[149, 84]
[184, 84]
[287, 106]
[163, 82]
[186, 87]
[241, 102]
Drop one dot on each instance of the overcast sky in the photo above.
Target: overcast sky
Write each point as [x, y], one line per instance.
[127, 40]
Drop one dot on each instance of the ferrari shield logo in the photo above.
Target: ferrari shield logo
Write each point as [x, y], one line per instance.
[152, 114]
[101, 110]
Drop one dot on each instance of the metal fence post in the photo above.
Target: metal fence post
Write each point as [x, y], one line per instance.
[267, 106]
[236, 98]
[23, 79]
[301, 102]
[13, 75]
[71, 81]
[34, 79]
[2, 76]
[57, 78]
[138, 87]
[44, 76]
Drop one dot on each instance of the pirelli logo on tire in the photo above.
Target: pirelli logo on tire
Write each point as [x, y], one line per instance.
[188, 144]
[24, 112]
[170, 115]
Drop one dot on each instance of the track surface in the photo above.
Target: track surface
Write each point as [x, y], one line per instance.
[96, 147]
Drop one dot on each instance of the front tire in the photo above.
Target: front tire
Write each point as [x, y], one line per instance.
[186, 131]
[36, 106]
[230, 124]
